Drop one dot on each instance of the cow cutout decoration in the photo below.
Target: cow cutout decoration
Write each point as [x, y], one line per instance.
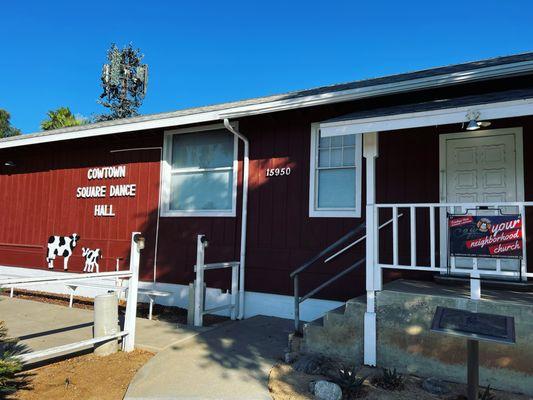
[62, 246]
[91, 259]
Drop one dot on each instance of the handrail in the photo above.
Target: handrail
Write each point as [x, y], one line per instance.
[295, 274]
[333, 279]
[357, 241]
[327, 250]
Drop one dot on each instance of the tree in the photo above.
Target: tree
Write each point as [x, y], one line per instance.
[124, 81]
[61, 118]
[6, 129]
[9, 365]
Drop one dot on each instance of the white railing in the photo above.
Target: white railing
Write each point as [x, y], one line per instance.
[128, 334]
[435, 214]
[199, 287]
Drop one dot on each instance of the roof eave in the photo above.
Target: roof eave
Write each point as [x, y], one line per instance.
[461, 77]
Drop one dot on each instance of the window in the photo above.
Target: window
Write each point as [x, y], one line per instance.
[200, 172]
[335, 175]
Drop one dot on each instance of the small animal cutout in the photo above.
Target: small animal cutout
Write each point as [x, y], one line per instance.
[91, 259]
[62, 246]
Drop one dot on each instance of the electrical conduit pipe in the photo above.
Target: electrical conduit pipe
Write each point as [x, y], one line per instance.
[242, 258]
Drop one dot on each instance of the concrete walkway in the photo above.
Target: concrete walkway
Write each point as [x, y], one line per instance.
[41, 325]
[232, 361]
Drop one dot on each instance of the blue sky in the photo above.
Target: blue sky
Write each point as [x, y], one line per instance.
[207, 52]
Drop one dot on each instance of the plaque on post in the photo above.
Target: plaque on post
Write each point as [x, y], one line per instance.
[474, 327]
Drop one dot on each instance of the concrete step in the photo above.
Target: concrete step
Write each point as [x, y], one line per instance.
[340, 335]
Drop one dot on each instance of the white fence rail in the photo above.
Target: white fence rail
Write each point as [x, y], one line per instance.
[431, 213]
[199, 296]
[128, 334]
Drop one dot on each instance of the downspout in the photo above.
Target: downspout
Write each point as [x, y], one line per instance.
[242, 259]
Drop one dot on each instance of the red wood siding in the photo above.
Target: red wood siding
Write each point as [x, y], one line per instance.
[38, 200]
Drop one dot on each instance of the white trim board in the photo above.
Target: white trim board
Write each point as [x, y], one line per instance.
[268, 304]
[167, 174]
[510, 69]
[508, 109]
[313, 181]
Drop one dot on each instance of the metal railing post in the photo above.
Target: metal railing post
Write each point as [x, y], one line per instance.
[296, 305]
[234, 290]
[133, 285]
[199, 282]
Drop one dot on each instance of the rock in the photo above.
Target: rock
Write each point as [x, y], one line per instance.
[312, 386]
[435, 386]
[310, 364]
[290, 357]
[295, 342]
[325, 390]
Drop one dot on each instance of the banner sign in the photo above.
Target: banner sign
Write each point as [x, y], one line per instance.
[486, 236]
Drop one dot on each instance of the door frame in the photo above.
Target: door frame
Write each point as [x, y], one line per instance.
[519, 161]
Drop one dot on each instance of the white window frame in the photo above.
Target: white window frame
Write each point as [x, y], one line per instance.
[167, 172]
[313, 181]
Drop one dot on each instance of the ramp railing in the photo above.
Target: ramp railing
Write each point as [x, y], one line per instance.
[199, 288]
[128, 334]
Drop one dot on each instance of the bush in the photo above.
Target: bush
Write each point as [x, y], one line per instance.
[9, 365]
[390, 380]
[486, 395]
[350, 383]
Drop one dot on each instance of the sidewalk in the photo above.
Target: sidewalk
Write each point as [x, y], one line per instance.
[42, 325]
[231, 361]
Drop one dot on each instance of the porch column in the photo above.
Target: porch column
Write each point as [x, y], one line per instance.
[373, 274]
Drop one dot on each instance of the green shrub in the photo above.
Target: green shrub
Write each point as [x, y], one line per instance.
[486, 395]
[390, 380]
[9, 365]
[350, 383]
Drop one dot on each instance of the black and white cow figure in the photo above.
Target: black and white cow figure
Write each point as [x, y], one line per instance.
[62, 246]
[91, 259]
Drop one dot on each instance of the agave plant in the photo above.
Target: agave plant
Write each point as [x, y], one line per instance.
[487, 394]
[390, 379]
[350, 383]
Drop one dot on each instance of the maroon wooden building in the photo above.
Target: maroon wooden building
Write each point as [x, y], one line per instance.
[320, 161]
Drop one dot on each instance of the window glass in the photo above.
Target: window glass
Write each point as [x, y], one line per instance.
[336, 188]
[201, 172]
[212, 149]
[201, 191]
[335, 173]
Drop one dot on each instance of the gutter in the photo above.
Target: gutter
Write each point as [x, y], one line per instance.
[280, 104]
[246, 169]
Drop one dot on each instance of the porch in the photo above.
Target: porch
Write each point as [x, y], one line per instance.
[405, 309]
[430, 168]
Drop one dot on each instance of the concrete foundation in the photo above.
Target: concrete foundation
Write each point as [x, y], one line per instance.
[405, 310]
[339, 334]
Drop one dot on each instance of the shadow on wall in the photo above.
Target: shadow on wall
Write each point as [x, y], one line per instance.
[280, 237]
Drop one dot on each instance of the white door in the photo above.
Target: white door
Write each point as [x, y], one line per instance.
[481, 167]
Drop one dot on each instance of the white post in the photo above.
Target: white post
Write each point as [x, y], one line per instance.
[373, 273]
[234, 290]
[133, 286]
[71, 299]
[105, 322]
[475, 282]
[199, 282]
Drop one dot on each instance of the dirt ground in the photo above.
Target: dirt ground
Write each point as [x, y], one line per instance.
[287, 384]
[85, 377]
[160, 313]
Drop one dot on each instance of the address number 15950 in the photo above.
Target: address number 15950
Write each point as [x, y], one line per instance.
[278, 171]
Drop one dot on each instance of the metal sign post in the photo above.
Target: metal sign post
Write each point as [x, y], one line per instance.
[474, 327]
